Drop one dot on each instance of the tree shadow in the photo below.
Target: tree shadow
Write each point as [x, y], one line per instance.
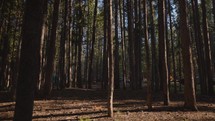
[6, 108]
[72, 114]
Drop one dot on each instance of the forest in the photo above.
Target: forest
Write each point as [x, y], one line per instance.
[107, 60]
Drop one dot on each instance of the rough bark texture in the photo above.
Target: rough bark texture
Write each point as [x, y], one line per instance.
[189, 89]
[29, 60]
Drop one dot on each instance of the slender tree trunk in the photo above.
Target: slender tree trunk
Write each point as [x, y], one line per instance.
[86, 70]
[154, 75]
[163, 51]
[80, 32]
[189, 89]
[75, 60]
[69, 69]
[199, 47]
[213, 36]
[148, 67]
[29, 60]
[62, 47]
[92, 47]
[172, 44]
[131, 43]
[180, 65]
[122, 26]
[209, 67]
[116, 51]
[137, 44]
[51, 51]
[110, 60]
[105, 52]
[40, 81]
[167, 43]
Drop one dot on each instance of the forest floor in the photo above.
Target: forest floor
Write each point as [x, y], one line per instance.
[87, 105]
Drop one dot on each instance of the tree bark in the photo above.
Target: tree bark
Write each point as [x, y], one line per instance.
[92, 47]
[199, 47]
[213, 42]
[209, 67]
[62, 47]
[80, 32]
[155, 78]
[122, 26]
[131, 44]
[29, 60]
[110, 60]
[116, 50]
[50, 52]
[148, 67]
[172, 46]
[105, 52]
[164, 76]
[189, 89]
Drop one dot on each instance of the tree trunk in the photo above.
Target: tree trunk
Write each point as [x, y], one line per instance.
[29, 60]
[69, 55]
[50, 52]
[164, 76]
[62, 48]
[189, 89]
[199, 47]
[172, 44]
[116, 51]
[167, 43]
[105, 52]
[155, 79]
[213, 42]
[92, 47]
[148, 67]
[80, 34]
[137, 44]
[110, 60]
[131, 44]
[209, 67]
[40, 81]
[122, 26]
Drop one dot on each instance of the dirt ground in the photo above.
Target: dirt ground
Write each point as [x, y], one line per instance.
[87, 105]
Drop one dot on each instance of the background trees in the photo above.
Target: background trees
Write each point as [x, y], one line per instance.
[78, 39]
